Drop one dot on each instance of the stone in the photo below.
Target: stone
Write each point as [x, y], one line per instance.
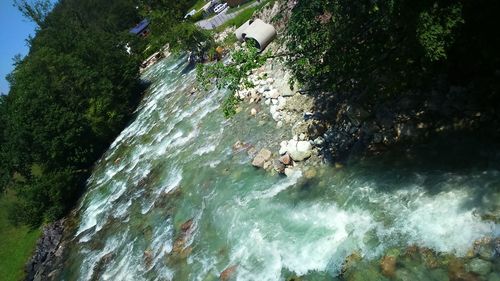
[279, 124]
[404, 275]
[226, 274]
[276, 116]
[388, 266]
[351, 261]
[357, 114]
[40, 264]
[258, 161]
[274, 101]
[494, 277]
[252, 152]
[273, 109]
[300, 103]
[278, 166]
[267, 102]
[310, 173]
[283, 147]
[456, 271]
[497, 247]
[261, 158]
[286, 159]
[148, 258]
[319, 141]
[302, 137]
[186, 226]
[253, 112]
[267, 165]
[273, 94]
[299, 150]
[270, 80]
[478, 266]
[439, 274]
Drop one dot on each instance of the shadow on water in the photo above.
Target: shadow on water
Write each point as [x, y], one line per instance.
[188, 68]
[443, 163]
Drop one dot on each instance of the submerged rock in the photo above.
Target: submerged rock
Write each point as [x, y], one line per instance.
[278, 166]
[351, 261]
[310, 173]
[228, 273]
[388, 266]
[186, 226]
[456, 271]
[478, 266]
[494, 277]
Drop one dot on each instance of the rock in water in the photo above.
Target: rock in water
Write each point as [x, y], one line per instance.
[299, 150]
[253, 112]
[227, 273]
[261, 158]
[285, 159]
[283, 147]
[479, 266]
[186, 226]
[279, 166]
[388, 266]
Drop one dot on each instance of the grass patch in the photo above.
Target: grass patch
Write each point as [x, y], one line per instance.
[242, 17]
[197, 6]
[18, 243]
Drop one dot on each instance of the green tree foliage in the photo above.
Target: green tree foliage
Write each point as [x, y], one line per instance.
[74, 92]
[69, 97]
[231, 74]
[379, 48]
[35, 10]
[168, 26]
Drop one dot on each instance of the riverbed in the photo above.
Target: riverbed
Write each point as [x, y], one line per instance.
[173, 200]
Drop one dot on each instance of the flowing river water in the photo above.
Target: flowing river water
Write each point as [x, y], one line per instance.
[172, 175]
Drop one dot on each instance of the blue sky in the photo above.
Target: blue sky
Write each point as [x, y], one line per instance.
[14, 29]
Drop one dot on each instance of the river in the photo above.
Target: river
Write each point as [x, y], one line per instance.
[173, 173]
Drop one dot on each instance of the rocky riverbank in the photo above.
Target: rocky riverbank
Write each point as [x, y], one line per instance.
[48, 251]
[271, 95]
[343, 126]
[418, 263]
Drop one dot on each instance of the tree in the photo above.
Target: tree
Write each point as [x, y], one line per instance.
[34, 10]
[69, 98]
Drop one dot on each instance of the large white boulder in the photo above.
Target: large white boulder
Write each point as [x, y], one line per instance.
[299, 150]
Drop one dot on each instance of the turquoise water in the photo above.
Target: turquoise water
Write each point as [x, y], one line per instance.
[175, 162]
